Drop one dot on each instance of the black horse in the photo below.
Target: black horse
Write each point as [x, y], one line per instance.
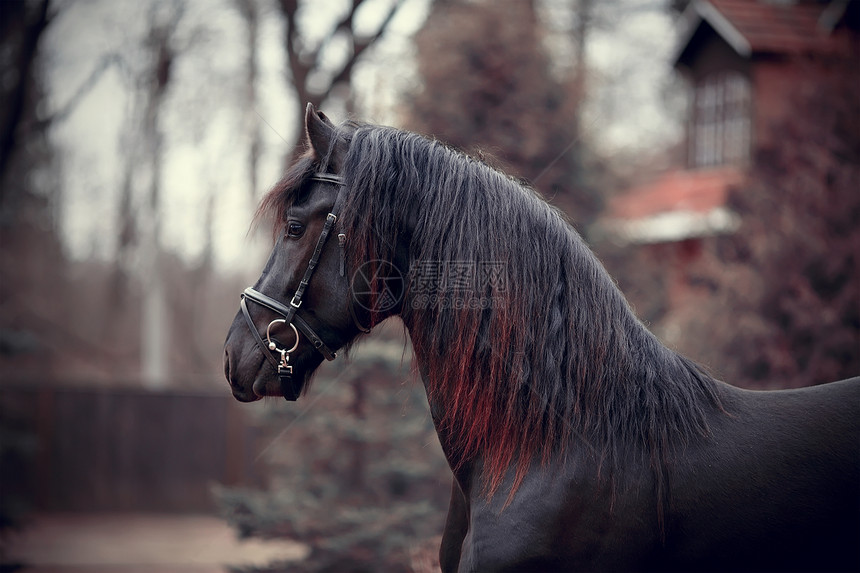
[577, 440]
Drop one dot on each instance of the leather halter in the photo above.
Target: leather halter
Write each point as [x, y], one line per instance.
[289, 313]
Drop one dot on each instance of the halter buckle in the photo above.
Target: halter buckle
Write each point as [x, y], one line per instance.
[294, 303]
[285, 367]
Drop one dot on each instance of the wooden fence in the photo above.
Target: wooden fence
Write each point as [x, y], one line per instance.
[118, 449]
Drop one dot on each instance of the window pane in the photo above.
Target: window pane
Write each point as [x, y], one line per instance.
[721, 128]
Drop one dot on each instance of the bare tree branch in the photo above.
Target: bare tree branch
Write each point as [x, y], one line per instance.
[362, 44]
[106, 62]
[304, 60]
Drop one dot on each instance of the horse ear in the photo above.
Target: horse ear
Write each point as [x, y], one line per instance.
[319, 130]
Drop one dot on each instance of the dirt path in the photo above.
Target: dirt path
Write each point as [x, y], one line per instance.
[134, 543]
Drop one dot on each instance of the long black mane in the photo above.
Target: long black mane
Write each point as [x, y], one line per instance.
[555, 355]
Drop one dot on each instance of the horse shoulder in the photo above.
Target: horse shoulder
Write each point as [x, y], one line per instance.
[565, 516]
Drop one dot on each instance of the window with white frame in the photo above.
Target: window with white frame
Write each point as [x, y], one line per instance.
[721, 120]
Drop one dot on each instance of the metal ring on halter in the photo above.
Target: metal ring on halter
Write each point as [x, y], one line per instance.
[272, 345]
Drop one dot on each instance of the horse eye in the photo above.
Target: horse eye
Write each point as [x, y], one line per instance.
[295, 229]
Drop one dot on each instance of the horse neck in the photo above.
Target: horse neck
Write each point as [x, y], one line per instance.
[617, 368]
[562, 356]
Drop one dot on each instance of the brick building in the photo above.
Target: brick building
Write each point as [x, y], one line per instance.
[743, 62]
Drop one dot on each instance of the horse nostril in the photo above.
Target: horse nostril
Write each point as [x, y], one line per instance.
[227, 364]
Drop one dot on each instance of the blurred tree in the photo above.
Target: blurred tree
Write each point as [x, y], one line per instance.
[785, 310]
[140, 226]
[488, 85]
[67, 309]
[144, 271]
[49, 306]
[311, 79]
[21, 27]
[32, 262]
[250, 12]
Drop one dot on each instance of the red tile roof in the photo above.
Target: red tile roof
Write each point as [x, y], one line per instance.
[761, 27]
[692, 191]
[676, 206]
[780, 28]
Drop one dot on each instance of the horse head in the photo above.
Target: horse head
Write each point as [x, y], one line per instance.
[305, 306]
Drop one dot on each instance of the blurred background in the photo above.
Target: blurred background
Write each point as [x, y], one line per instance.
[708, 151]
